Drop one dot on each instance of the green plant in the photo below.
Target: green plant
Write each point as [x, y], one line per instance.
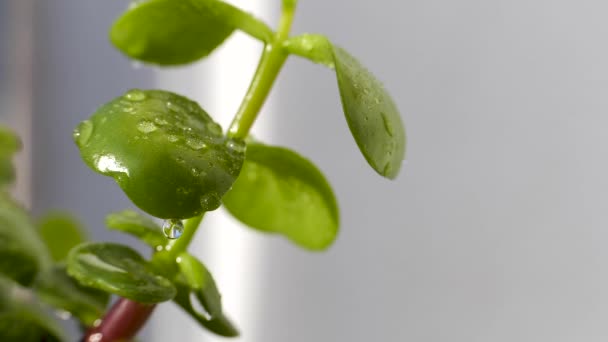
[174, 162]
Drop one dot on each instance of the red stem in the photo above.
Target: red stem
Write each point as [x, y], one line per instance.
[121, 322]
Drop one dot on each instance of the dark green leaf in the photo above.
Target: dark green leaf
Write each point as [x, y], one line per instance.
[219, 325]
[315, 47]
[120, 270]
[371, 114]
[60, 232]
[22, 253]
[164, 151]
[135, 224]
[201, 283]
[59, 290]
[23, 320]
[281, 192]
[169, 32]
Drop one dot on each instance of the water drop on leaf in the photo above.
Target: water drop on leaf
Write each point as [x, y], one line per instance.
[135, 95]
[210, 201]
[173, 228]
[146, 126]
[82, 133]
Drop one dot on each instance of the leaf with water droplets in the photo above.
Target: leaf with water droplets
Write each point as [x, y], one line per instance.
[314, 47]
[201, 282]
[57, 289]
[220, 325]
[169, 32]
[133, 223]
[60, 232]
[281, 192]
[165, 152]
[371, 114]
[119, 270]
[9, 145]
[22, 253]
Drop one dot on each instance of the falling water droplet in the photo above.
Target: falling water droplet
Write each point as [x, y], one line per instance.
[236, 145]
[146, 126]
[210, 201]
[135, 95]
[173, 228]
[83, 132]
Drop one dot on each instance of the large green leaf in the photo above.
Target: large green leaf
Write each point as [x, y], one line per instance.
[23, 320]
[133, 223]
[169, 32]
[120, 270]
[59, 290]
[164, 151]
[371, 113]
[60, 231]
[219, 325]
[22, 253]
[281, 192]
[201, 283]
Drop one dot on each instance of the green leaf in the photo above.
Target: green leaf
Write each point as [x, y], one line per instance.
[59, 290]
[315, 47]
[22, 253]
[164, 151]
[119, 270]
[9, 145]
[135, 224]
[220, 325]
[169, 32]
[23, 320]
[371, 114]
[281, 192]
[60, 231]
[201, 283]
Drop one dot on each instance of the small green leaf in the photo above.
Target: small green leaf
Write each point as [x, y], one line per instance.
[9, 145]
[60, 231]
[59, 290]
[371, 114]
[22, 253]
[23, 320]
[220, 325]
[202, 284]
[164, 151]
[281, 192]
[120, 270]
[169, 32]
[135, 224]
[315, 47]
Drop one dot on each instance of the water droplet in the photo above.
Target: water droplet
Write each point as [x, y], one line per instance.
[210, 201]
[387, 125]
[172, 137]
[214, 128]
[173, 228]
[135, 95]
[195, 171]
[146, 126]
[236, 145]
[83, 133]
[196, 143]
[387, 169]
[377, 100]
[160, 121]
[173, 107]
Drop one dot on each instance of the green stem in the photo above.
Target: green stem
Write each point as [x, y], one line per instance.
[271, 62]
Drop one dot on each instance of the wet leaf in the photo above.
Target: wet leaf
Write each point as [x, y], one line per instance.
[201, 283]
[133, 223]
[164, 151]
[119, 270]
[281, 192]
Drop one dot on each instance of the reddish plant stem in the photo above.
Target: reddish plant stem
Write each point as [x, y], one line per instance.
[121, 322]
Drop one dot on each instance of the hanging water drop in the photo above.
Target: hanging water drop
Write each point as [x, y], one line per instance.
[173, 228]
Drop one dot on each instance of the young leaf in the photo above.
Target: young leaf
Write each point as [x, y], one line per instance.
[60, 232]
[135, 224]
[201, 283]
[120, 270]
[281, 192]
[22, 253]
[220, 325]
[169, 32]
[164, 151]
[371, 114]
[23, 320]
[56, 288]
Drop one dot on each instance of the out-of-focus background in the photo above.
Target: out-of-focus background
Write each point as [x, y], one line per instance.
[496, 229]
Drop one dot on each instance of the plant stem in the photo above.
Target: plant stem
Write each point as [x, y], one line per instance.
[271, 62]
[121, 323]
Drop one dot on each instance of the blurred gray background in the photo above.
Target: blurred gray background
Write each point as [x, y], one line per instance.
[496, 228]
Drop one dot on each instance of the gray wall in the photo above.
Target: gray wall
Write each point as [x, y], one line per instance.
[496, 229]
